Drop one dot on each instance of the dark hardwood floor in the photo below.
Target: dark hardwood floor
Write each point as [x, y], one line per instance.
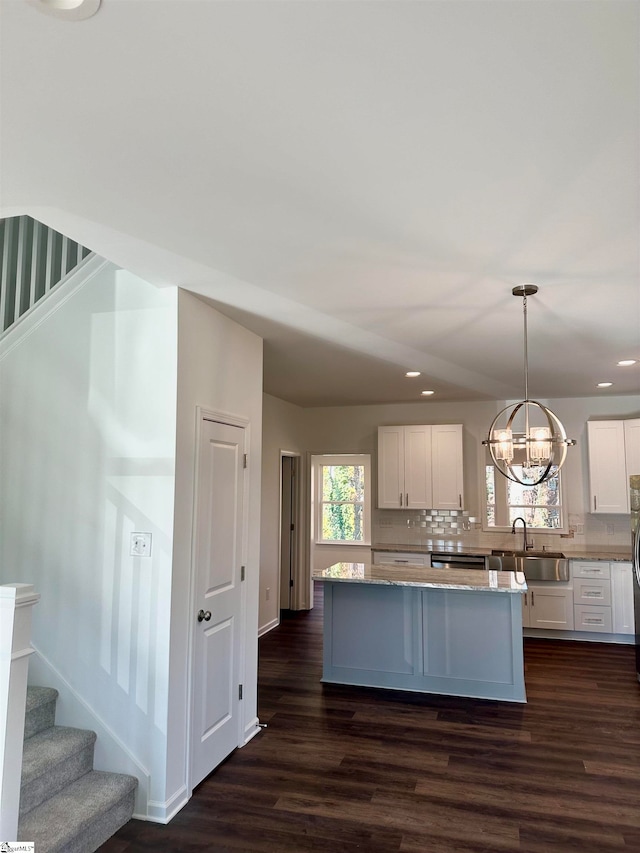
[355, 769]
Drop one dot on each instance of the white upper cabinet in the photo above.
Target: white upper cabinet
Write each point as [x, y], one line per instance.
[446, 466]
[390, 467]
[632, 445]
[420, 467]
[608, 480]
[417, 467]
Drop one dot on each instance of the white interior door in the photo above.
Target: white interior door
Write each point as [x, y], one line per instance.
[217, 610]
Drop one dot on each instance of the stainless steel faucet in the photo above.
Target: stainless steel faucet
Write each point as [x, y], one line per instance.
[527, 546]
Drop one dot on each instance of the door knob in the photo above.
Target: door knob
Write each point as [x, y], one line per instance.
[204, 615]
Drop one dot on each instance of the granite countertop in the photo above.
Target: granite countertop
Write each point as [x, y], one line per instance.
[477, 580]
[585, 553]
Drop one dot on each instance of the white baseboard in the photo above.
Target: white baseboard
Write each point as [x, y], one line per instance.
[164, 812]
[268, 627]
[251, 730]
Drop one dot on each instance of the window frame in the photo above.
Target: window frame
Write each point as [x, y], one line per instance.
[318, 462]
[502, 505]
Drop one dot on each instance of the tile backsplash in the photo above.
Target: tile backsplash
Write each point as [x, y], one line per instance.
[433, 529]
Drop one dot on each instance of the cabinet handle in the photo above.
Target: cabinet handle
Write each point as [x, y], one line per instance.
[588, 620]
[460, 501]
[525, 599]
[406, 503]
[400, 498]
[595, 503]
[533, 599]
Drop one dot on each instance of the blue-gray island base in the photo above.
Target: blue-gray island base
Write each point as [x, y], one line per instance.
[457, 633]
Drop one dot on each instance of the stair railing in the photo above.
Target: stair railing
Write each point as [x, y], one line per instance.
[33, 259]
[16, 602]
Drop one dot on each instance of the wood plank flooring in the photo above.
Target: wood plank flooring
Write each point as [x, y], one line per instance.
[342, 769]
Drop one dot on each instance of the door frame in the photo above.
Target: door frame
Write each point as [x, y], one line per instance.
[206, 414]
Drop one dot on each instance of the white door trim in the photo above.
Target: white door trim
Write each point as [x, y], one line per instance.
[204, 414]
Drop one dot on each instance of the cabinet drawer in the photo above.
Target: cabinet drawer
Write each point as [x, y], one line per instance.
[387, 558]
[592, 618]
[591, 592]
[590, 570]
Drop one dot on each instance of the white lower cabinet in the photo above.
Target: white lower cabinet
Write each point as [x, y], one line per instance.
[394, 558]
[591, 596]
[595, 618]
[548, 606]
[603, 597]
[622, 598]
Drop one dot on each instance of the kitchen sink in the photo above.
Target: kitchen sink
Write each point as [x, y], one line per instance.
[535, 565]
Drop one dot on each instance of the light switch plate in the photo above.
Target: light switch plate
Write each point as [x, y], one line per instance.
[140, 545]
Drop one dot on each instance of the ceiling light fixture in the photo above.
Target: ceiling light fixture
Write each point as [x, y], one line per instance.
[412, 373]
[427, 393]
[70, 10]
[605, 384]
[627, 362]
[527, 442]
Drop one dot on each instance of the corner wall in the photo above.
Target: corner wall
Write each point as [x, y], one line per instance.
[220, 369]
[88, 457]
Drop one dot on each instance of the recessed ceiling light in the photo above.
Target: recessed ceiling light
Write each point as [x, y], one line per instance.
[427, 393]
[70, 10]
[627, 362]
[605, 384]
[412, 373]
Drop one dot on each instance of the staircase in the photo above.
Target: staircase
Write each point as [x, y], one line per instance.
[65, 805]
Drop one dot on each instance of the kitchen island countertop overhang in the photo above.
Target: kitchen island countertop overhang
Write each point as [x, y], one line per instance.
[453, 632]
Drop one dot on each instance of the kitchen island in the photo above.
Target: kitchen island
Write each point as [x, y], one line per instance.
[452, 632]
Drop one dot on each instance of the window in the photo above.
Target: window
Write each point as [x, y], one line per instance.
[540, 506]
[341, 492]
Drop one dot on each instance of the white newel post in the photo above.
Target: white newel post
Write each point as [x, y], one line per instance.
[16, 601]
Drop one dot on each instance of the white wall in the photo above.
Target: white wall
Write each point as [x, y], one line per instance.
[283, 430]
[220, 369]
[87, 457]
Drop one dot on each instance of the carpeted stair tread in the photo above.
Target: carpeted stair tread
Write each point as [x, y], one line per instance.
[82, 816]
[40, 709]
[52, 759]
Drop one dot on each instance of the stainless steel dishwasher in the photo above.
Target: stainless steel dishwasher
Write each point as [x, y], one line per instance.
[458, 561]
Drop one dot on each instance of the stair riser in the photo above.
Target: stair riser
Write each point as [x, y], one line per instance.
[100, 830]
[39, 719]
[56, 778]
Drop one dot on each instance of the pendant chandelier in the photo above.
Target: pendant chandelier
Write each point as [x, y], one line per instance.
[527, 442]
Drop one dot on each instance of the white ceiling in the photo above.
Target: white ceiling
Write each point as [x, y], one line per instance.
[362, 183]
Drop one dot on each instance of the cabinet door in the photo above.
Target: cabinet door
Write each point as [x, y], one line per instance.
[390, 467]
[607, 467]
[550, 606]
[417, 467]
[622, 598]
[632, 446]
[446, 462]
